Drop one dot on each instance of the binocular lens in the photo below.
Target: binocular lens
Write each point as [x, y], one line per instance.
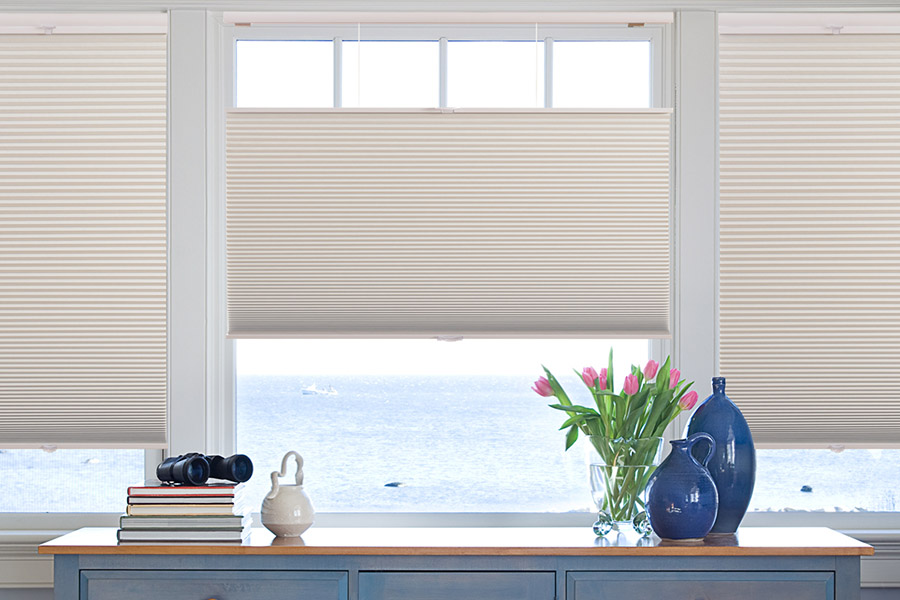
[234, 468]
[196, 471]
[190, 469]
[241, 468]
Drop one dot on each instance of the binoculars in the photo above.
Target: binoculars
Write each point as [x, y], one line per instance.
[196, 468]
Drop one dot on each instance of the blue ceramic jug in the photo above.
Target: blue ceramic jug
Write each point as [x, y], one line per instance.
[681, 496]
[733, 465]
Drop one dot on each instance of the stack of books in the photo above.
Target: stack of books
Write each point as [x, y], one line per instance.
[159, 512]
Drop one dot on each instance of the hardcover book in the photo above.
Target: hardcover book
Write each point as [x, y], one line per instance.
[174, 535]
[213, 488]
[184, 522]
[183, 509]
[181, 500]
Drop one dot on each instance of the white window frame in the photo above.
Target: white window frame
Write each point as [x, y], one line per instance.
[657, 35]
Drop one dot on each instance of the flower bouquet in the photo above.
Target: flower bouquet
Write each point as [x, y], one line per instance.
[626, 431]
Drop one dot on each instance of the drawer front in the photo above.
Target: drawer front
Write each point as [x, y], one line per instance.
[451, 585]
[735, 585]
[217, 585]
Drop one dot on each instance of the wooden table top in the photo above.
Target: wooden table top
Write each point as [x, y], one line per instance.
[479, 541]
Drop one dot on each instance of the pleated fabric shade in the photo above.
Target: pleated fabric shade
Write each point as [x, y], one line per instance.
[83, 241]
[810, 237]
[353, 223]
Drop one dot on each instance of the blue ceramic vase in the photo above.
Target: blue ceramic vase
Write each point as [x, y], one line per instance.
[733, 464]
[681, 496]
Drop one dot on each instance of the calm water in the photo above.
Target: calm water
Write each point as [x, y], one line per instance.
[474, 444]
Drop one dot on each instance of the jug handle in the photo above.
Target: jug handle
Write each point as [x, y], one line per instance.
[298, 476]
[702, 436]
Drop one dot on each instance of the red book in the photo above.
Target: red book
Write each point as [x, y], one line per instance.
[157, 489]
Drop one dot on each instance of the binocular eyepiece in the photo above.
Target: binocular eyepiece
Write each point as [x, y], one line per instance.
[196, 468]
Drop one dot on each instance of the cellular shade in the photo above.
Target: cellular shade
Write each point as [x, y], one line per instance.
[810, 251]
[83, 240]
[427, 223]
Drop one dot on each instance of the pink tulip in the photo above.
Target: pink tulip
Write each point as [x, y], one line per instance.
[602, 377]
[651, 369]
[542, 386]
[688, 401]
[631, 385]
[674, 377]
[589, 374]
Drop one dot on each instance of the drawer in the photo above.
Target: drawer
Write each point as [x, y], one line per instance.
[454, 585]
[218, 585]
[676, 585]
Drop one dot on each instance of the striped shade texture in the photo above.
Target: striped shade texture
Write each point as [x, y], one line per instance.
[810, 237]
[349, 223]
[83, 241]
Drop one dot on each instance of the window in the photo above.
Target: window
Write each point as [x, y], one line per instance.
[66, 480]
[485, 67]
[807, 218]
[854, 480]
[422, 425]
[278, 73]
[83, 205]
[600, 74]
[419, 425]
[390, 74]
[495, 74]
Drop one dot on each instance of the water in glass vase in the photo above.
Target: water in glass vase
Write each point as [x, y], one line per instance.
[620, 469]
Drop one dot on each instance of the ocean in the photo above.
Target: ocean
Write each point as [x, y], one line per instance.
[426, 444]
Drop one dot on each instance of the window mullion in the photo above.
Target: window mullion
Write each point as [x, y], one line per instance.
[338, 72]
[548, 72]
[442, 72]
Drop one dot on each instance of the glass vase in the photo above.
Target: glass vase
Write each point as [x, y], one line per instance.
[620, 469]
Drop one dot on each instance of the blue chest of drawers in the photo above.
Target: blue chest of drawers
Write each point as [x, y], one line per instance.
[460, 563]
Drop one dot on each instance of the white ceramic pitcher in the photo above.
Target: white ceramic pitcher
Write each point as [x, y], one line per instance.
[286, 509]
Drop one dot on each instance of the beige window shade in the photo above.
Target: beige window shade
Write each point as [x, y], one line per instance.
[810, 236]
[83, 241]
[409, 224]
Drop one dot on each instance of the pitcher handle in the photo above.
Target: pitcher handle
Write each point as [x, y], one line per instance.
[702, 436]
[298, 476]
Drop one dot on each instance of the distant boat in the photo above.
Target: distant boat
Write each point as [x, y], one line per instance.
[313, 390]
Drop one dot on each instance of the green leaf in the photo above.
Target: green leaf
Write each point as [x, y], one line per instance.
[660, 403]
[571, 437]
[575, 420]
[609, 372]
[558, 391]
[635, 411]
[574, 408]
[662, 376]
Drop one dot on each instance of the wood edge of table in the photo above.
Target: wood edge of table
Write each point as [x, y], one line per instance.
[673, 550]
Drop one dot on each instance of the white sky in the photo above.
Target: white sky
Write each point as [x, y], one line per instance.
[431, 357]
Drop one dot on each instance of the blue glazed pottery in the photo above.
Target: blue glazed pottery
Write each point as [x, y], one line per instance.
[681, 496]
[733, 464]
